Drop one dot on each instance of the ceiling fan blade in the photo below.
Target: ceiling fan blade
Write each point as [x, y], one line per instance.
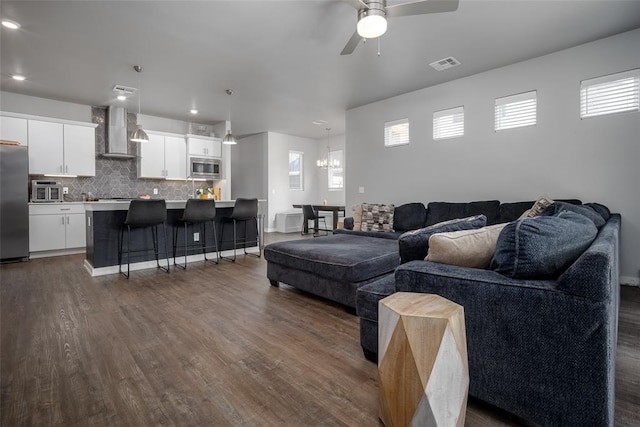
[422, 7]
[351, 44]
[357, 4]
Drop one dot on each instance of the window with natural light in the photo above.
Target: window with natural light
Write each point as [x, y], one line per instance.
[448, 123]
[336, 175]
[295, 170]
[396, 133]
[516, 111]
[615, 93]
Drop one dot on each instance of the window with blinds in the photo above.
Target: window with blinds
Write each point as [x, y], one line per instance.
[295, 170]
[396, 133]
[448, 123]
[615, 93]
[516, 111]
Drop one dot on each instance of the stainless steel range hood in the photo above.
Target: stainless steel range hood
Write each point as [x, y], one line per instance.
[117, 139]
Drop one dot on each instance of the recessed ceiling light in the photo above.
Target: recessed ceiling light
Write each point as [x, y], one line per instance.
[13, 25]
[18, 77]
[122, 98]
[319, 122]
[193, 111]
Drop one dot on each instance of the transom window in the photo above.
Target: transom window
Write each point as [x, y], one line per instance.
[615, 93]
[448, 123]
[396, 133]
[516, 111]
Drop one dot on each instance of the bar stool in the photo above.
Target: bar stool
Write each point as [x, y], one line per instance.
[244, 210]
[197, 211]
[144, 214]
[308, 214]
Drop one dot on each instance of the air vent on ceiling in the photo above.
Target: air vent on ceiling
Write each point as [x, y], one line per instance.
[125, 90]
[445, 63]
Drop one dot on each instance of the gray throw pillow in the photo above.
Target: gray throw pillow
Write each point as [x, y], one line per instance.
[542, 247]
[414, 244]
[584, 210]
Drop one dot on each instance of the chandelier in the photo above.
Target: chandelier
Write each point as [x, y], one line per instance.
[327, 163]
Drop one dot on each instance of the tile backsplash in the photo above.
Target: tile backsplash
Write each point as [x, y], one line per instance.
[118, 177]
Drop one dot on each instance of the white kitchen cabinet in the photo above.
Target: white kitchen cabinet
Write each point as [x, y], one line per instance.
[164, 156]
[202, 146]
[56, 226]
[60, 148]
[13, 129]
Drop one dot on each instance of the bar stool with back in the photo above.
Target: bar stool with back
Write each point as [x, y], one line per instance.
[244, 210]
[144, 214]
[200, 212]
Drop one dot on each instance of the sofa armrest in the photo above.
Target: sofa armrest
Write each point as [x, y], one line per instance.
[348, 223]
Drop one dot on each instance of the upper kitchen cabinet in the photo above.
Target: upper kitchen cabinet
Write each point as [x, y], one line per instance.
[13, 129]
[203, 146]
[61, 148]
[164, 156]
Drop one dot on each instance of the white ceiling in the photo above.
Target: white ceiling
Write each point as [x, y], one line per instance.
[282, 58]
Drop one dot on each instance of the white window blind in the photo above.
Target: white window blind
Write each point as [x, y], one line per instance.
[515, 111]
[295, 170]
[610, 94]
[448, 123]
[396, 133]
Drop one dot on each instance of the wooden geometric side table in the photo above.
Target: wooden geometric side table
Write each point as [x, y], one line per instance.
[423, 371]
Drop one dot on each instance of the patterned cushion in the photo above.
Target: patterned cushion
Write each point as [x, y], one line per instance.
[377, 217]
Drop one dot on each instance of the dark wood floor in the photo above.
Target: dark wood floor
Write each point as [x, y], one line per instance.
[209, 346]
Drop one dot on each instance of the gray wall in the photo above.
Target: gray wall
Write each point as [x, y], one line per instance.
[595, 159]
[249, 166]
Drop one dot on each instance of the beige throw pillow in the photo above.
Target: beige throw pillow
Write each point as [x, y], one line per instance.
[466, 248]
[357, 217]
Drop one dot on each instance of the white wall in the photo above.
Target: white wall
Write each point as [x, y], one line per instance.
[17, 103]
[596, 159]
[249, 167]
[281, 198]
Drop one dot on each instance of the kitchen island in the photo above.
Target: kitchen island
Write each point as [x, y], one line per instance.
[104, 219]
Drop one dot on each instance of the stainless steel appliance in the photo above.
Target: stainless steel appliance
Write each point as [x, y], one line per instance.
[205, 168]
[46, 191]
[14, 204]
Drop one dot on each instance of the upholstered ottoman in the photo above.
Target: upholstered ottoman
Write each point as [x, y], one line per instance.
[332, 267]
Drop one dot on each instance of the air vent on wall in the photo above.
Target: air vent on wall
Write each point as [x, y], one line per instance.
[445, 63]
[125, 90]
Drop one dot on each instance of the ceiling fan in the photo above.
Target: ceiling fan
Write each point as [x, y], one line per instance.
[373, 14]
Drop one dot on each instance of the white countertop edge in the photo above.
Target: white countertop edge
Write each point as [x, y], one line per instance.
[116, 205]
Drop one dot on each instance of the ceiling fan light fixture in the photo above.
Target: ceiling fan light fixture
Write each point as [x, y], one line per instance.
[372, 21]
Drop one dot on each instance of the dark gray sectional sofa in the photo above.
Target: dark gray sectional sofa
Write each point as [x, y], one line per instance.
[542, 348]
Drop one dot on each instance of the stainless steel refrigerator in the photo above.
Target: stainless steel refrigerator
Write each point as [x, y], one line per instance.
[14, 203]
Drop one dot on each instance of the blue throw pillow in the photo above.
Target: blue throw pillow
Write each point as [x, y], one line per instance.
[414, 245]
[542, 247]
[584, 210]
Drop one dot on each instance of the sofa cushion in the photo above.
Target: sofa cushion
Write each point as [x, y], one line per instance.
[602, 210]
[414, 245]
[377, 217]
[367, 296]
[512, 211]
[409, 216]
[466, 248]
[341, 257]
[378, 234]
[584, 210]
[542, 247]
[444, 211]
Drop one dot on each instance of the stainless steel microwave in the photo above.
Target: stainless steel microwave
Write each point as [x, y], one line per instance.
[46, 191]
[205, 168]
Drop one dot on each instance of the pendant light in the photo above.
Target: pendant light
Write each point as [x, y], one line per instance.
[229, 138]
[327, 162]
[139, 135]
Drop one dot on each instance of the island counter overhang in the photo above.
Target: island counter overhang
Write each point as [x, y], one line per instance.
[104, 219]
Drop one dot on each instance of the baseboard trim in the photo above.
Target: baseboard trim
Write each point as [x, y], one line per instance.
[630, 281]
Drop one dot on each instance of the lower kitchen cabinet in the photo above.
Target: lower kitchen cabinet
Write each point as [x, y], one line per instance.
[56, 226]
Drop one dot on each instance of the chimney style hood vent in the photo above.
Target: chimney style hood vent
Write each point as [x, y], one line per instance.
[117, 139]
